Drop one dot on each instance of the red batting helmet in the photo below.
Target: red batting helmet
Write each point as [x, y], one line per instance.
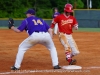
[68, 8]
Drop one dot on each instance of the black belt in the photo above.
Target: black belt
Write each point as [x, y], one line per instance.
[39, 31]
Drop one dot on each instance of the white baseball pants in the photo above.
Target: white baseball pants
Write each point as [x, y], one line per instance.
[43, 38]
[68, 41]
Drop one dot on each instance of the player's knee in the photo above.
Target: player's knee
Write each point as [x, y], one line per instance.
[67, 50]
[75, 52]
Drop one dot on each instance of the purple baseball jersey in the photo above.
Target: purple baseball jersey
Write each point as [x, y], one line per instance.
[55, 14]
[33, 24]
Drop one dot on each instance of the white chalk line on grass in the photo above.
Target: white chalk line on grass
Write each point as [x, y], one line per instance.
[84, 69]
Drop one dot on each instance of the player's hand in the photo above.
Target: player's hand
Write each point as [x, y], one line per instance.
[75, 27]
[11, 23]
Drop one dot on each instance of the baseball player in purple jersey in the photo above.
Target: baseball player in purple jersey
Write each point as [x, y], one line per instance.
[56, 13]
[39, 33]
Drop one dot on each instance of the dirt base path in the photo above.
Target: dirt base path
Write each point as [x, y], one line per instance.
[38, 57]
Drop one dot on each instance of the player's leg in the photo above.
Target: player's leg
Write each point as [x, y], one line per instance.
[73, 46]
[64, 42]
[48, 42]
[23, 47]
[56, 28]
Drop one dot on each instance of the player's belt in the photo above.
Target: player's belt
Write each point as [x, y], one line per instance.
[65, 33]
[39, 31]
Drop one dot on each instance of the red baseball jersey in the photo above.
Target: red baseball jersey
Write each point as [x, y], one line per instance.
[65, 23]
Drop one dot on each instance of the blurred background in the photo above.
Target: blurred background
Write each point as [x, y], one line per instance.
[16, 8]
[87, 12]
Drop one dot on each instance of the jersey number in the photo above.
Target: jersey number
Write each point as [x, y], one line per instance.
[37, 22]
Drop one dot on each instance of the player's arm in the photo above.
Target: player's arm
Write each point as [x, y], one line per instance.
[53, 27]
[20, 28]
[48, 28]
[11, 25]
[75, 24]
[53, 23]
[50, 32]
[15, 29]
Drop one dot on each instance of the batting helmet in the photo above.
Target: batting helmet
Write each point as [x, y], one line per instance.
[68, 8]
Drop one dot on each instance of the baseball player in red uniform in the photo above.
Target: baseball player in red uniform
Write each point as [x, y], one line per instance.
[66, 23]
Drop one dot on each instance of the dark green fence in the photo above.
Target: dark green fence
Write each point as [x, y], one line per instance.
[4, 23]
[89, 18]
[86, 18]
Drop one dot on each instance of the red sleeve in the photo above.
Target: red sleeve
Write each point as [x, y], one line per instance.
[54, 21]
[75, 21]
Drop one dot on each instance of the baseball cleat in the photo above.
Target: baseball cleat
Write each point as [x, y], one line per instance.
[57, 67]
[72, 62]
[14, 68]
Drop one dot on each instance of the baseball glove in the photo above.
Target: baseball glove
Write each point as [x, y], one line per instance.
[11, 23]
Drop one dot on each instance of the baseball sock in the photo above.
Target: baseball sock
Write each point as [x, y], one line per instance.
[68, 56]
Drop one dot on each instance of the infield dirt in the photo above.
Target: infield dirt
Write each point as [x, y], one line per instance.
[38, 57]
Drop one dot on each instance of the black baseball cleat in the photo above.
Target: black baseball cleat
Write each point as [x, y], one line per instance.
[57, 67]
[14, 68]
[72, 62]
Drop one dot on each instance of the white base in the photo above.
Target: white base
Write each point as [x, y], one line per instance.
[71, 67]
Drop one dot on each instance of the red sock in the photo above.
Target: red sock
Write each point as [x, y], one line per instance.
[68, 56]
[69, 60]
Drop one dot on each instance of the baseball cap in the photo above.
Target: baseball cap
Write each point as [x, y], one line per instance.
[30, 11]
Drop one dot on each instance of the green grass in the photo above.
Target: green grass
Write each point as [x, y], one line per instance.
[79, 30]
[3, 28]
[88, 30]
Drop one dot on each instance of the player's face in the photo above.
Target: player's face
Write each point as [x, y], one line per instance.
[28, 15]
[67, 13]
[56, 10]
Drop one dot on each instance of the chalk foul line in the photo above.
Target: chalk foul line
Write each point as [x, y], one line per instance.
[84, 69]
